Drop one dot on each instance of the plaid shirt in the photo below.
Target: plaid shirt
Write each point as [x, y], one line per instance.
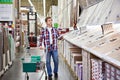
[45, 37]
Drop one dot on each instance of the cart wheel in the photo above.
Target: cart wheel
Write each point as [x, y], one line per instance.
[27, 77]
[45, 77]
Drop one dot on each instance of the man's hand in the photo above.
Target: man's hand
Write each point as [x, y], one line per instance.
[60, 37]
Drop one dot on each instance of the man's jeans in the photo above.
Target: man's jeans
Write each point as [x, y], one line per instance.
[54, 54]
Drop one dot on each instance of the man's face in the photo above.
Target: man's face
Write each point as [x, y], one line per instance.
[49, 22]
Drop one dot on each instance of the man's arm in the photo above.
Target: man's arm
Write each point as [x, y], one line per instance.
[41, 38]
[58, 35]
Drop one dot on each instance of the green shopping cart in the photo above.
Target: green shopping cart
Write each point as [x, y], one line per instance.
[33, 64]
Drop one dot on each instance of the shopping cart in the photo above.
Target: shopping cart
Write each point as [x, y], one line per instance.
[33, 63]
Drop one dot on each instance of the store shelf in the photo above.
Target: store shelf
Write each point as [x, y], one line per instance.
[89, 40]
[7, 50]
[69, 67]
[95, 46]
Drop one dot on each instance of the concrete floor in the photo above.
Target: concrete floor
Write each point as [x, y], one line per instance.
[15, 72]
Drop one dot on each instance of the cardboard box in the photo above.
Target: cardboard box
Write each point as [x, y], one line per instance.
[117, 77]
[111, 73]
[75, 57]
[118, 72]
[73, 51]
[1, 63]
[5, 40]
[76, 49]
[1, 50]
[86, 65]
[79, 70]
[112, 78]
[97, 69]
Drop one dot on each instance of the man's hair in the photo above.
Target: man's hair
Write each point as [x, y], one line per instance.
[47, 18]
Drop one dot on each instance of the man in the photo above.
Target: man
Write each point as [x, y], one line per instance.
[49, 36]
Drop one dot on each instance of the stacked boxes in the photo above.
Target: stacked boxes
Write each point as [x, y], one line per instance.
[60, 46]
[104, 71]
[97, 69]
[79, 70]
[5, 38]
[11, 48]
[1, 49]
[86, 65]
[117, 74]
[73, 51]
[75, 57]
[111, 73]
[66, 48]
[6, 46]
[5, 49]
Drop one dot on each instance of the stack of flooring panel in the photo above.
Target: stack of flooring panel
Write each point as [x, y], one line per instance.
[97, 69]
[7, 50]
[6, 54]
[86, 65]
[11, 48]
[79, 70]
[1, 50]
[75, 55]
[111, 72]
[102, 43]
[73, 51]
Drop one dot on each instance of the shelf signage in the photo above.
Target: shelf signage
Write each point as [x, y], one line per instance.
[6, 12]
[6, 1]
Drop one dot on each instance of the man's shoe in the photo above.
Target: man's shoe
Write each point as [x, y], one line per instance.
[50, 78]
[56, 75]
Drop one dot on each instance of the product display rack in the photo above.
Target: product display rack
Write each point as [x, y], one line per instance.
[96, 49]
[7, 53]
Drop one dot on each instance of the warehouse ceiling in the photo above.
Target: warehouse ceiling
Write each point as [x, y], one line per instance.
[25, 3]
[39, 5]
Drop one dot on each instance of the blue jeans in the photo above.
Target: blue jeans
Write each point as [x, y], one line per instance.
[54, 54]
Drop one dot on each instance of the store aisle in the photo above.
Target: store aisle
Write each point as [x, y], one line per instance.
[15, 72]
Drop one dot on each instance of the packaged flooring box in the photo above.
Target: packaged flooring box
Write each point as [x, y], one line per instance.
[1, 43]
[11, 48]
[111, 72]
[86, 65]
[79, 70]
[1, 49]
[6, 58]
[72, 53]
[75, 57]
[73, 50]
[1, 63]
[9, 37]
[76, 49]
[5, 45]
[112, 41]
[97, 69]
[5, 40]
